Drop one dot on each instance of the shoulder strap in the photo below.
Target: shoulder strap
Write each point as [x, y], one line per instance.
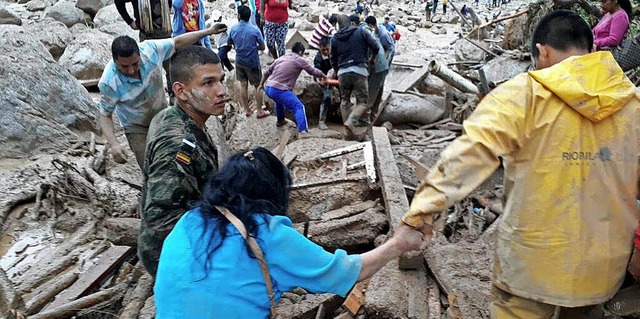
[253, 245]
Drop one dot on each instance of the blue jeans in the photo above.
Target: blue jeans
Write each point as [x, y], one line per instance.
[286, 99]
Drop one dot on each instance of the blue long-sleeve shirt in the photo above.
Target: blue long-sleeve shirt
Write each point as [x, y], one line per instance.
[233, 286]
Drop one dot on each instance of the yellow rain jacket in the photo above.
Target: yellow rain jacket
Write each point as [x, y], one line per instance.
[569, 138]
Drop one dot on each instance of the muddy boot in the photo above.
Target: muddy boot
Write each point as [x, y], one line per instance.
[323, 116]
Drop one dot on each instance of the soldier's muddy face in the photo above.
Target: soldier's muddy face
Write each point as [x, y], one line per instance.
[206, 92]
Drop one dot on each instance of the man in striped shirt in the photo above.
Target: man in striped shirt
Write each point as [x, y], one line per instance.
[131, 86]
[325, 28]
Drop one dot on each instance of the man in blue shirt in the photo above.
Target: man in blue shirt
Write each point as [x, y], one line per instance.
[131, 85]
[247, 40]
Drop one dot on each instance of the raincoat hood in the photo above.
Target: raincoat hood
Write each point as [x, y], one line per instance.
[345, 34]
[596, 94]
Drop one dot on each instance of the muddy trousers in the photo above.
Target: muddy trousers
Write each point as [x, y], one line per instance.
[508, 306]
[286, 99]
[327, 92]
[376, 87]
[357, 119]
[138, 144]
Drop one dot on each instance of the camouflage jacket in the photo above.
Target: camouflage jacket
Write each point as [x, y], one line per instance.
[179, 161]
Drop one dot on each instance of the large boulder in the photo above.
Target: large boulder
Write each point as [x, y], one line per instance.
[409, 108]
[118, 29]
[91, 6]
[67, 13]
[107, 15]
[9, 17]
[53, 34]
[87, 55]
[42, 104]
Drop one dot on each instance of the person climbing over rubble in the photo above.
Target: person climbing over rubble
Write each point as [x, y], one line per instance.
[324, 28]
[322, 61]
[180, 155]
[568, 136]
[131, 86]
[282, 76]
[247, 40]
[378, 73]
[350, 49]
[208, 270]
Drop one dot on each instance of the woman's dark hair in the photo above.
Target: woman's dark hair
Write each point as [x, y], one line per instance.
[626, 6]
[249, 183]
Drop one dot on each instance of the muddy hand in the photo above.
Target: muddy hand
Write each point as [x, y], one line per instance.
[408, 238]
[118, 154]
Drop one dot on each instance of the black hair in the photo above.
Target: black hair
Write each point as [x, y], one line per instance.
[298, 47]
[324, 41]
[249, 183]
[561, 30]
[371, 20]
[244, 13]
[333, 19]
[182, 62]
[124, 46]
[626, 6]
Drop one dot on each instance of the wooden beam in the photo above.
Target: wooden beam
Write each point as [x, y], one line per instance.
[91, 279]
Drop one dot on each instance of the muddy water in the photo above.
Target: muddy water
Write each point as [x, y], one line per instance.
[23, 240]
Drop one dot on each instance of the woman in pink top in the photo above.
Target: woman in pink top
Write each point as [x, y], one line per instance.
[274, 16]
[614, 24]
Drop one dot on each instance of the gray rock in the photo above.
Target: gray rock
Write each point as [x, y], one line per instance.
[66, 12]
[36, 5]
[53, 34]
[87, 55]
[22, 1]
[107, 15]
[304, 25]
[91, 6]
[119, 28]
[412, 28]
[8, 17]
[42, 103]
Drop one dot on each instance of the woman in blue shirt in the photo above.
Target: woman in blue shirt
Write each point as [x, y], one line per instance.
[206, 269]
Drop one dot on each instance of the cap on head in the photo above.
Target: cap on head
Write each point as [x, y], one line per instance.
[354, 18]
[386, 17]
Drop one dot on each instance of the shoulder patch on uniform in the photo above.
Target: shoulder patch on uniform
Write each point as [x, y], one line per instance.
[187, 149]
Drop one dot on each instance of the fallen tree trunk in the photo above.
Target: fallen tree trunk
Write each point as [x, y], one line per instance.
[72, 308]
[44, 296]
[135, 301]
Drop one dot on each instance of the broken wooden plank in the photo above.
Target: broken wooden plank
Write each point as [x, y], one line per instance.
[481, 47]
[328, 182]
[435, 308]
[342, 151]
[279, 151]
[321, 312]
[90, 280]
[416, 76]
[349, 210]
[355, 298]
[496, 21]
[368, 157]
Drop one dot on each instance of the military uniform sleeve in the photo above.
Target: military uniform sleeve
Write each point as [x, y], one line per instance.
[169, 183]
[492, 131]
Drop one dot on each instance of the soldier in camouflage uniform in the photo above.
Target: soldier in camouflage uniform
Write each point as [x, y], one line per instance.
[181, 156]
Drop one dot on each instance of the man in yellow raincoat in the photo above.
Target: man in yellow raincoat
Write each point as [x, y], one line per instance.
[568, 135]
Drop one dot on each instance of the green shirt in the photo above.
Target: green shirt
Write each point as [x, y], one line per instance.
[179, 161]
